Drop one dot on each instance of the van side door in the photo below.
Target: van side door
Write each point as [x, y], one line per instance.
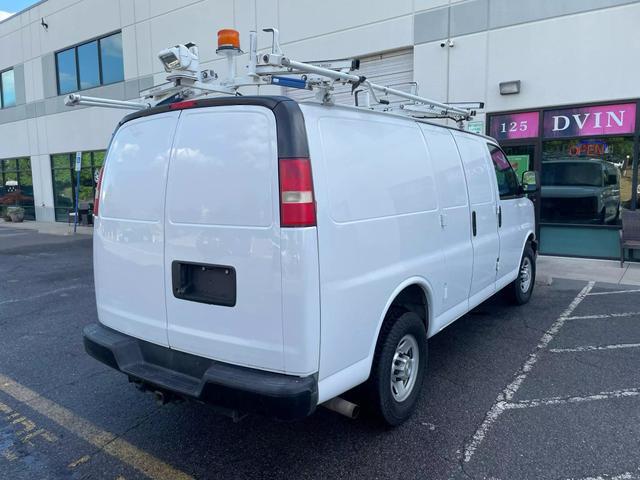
[484, 218]
[455, 222]
[511, 206]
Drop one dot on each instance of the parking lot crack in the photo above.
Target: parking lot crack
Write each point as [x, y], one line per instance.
[520, 375]
[603, 368]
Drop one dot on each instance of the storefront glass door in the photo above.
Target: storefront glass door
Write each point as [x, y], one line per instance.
[584, 155]
[64, 181]
[16, 186]
[523, 158]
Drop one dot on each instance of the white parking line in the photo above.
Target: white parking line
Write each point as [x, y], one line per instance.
[50, 292]
[635, 475]
[604, 315]
[510, 390]
[620, 476]
[615, 291]
[627, 392]
[592, 348]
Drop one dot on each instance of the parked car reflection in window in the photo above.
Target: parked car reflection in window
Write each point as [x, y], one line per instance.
[580, 190]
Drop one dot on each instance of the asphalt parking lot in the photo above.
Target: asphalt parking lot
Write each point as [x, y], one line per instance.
[546, 391]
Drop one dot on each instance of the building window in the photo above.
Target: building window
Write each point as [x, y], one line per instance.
[586, 180]
[7, 89]
[91, 64]
[16, 187]
[88, 65]
[111, 57]
[64, 182]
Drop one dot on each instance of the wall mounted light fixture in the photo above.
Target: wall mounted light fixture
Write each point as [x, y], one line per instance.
[510, 88]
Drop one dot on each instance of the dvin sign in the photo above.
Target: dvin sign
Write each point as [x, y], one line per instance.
[589, 121]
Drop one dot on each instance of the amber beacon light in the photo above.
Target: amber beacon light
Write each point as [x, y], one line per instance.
[228, 39]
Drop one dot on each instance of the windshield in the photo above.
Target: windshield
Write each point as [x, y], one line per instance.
[572, 173]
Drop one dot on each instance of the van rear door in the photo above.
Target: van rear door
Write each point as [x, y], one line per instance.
[128, 244]
[222, 253]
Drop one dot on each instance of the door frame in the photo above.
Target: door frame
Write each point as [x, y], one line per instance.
[536, 166]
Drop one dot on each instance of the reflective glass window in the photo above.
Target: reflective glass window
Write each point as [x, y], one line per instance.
[16, 186]
[91, 64]
[586, 180]
[64, 182]
[67, 72]
[111, 56]
[88, 65]
[8, 88]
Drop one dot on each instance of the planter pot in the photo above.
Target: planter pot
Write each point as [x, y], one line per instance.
[16, 217]
[16, 214]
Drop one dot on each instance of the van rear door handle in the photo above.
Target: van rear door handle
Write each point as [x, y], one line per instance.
[499, 216]
[474, 229]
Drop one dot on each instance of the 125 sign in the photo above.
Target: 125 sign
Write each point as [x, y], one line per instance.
[514, 125]
[521, 126]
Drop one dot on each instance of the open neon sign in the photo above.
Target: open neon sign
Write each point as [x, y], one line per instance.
[595, 149]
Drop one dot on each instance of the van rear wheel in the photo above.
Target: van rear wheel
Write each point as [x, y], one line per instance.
[399, 367]
[521, 289]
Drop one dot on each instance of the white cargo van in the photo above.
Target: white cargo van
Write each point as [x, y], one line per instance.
[268, 256]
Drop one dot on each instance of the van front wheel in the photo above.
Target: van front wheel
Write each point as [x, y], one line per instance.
[521, 289]
[399, 367]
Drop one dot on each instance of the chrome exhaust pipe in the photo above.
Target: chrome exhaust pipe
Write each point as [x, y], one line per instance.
[343, 407]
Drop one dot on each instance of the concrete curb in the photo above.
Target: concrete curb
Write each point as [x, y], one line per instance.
[48, 228]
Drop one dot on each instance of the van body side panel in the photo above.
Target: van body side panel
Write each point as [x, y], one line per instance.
[483, 200]
[128, 241]
[378, 225]
[300, 300]
[455, 224]
[517, 222]
[222, 211]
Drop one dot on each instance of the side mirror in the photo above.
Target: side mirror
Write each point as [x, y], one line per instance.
[530, 182]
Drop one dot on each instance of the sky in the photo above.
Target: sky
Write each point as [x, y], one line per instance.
[7, 7]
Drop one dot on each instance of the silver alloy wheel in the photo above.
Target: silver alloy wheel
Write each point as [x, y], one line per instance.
[525, 274]
[404, 368]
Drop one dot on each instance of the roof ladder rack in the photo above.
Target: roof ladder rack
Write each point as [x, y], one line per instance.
[186, 81]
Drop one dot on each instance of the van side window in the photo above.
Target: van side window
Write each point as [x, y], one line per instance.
[507, 179]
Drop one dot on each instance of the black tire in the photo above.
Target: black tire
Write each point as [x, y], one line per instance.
[381, 401]
[518, 295]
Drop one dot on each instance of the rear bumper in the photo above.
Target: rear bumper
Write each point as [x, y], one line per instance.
[233, 387]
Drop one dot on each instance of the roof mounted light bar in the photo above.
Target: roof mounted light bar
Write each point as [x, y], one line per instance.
[272, 68]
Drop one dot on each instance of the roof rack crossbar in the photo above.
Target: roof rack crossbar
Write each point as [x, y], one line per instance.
[356, 80]
[186, 81]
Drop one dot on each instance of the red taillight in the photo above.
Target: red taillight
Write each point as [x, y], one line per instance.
[182, 105]
[96, 199]
[297, 204]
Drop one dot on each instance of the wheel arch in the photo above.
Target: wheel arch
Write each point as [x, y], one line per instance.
[530, 238]
[415, 294]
